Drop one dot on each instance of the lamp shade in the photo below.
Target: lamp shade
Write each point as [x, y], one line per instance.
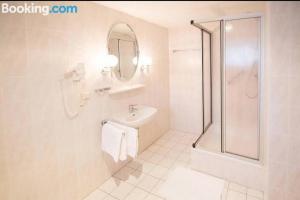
[147, 61]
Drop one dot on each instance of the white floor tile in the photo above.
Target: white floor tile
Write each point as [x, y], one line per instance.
[135, 164]
[122, 190]
[186, 141]
[142, 177]
[137, 194]
[167, 162]
[153, 197]
[188, 150]
[109, 185]
[124, 173]
[237, 187]
[174, 140]
[162, 151]
[173, 154]
[96, 195]
[165, 176]
[157, 188]
[146, 167]
[155, 158]
[179, 147]
[110, 198]
[179, 163]
[169, 144]
[135, 178]
[234, 195]
[158, 171]
[184, 157]
[148, 183]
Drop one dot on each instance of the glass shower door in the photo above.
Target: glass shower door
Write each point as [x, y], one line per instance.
[241, 86]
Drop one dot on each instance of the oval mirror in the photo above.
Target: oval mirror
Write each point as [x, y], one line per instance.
[123, 44]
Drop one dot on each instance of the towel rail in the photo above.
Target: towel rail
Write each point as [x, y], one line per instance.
[105, 121]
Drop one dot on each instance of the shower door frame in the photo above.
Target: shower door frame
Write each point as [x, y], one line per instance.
[223, 95]
[261, 99]
[205, 126]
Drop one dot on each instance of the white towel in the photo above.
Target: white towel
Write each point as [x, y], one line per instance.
[123, 149]
[111, 140]
[132, 142]
[131, 139]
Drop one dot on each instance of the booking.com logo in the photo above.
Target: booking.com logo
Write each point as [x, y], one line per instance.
[38, 9]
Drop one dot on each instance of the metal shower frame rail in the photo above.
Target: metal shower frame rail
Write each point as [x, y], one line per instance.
[205, 127]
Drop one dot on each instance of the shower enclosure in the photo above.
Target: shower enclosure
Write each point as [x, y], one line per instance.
[231, 64]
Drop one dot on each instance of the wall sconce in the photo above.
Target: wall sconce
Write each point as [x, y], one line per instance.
[110, 61]
[146, 62]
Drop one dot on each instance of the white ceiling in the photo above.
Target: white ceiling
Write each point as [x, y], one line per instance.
[179, 13]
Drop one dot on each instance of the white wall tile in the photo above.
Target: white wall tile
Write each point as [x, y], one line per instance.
[283, 138]
[63, 157]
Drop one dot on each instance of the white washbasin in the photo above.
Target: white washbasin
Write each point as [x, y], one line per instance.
[137, 118]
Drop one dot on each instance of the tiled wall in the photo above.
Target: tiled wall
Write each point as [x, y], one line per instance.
[43, 154]
[185, 80]
[284, 100]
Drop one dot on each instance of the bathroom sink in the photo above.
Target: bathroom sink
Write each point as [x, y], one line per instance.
[140, 116]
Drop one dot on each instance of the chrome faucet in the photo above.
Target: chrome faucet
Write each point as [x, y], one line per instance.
[132, 108]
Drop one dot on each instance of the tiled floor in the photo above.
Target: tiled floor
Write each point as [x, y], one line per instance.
[141, 179]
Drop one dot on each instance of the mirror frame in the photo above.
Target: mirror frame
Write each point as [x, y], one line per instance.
[137, 45]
